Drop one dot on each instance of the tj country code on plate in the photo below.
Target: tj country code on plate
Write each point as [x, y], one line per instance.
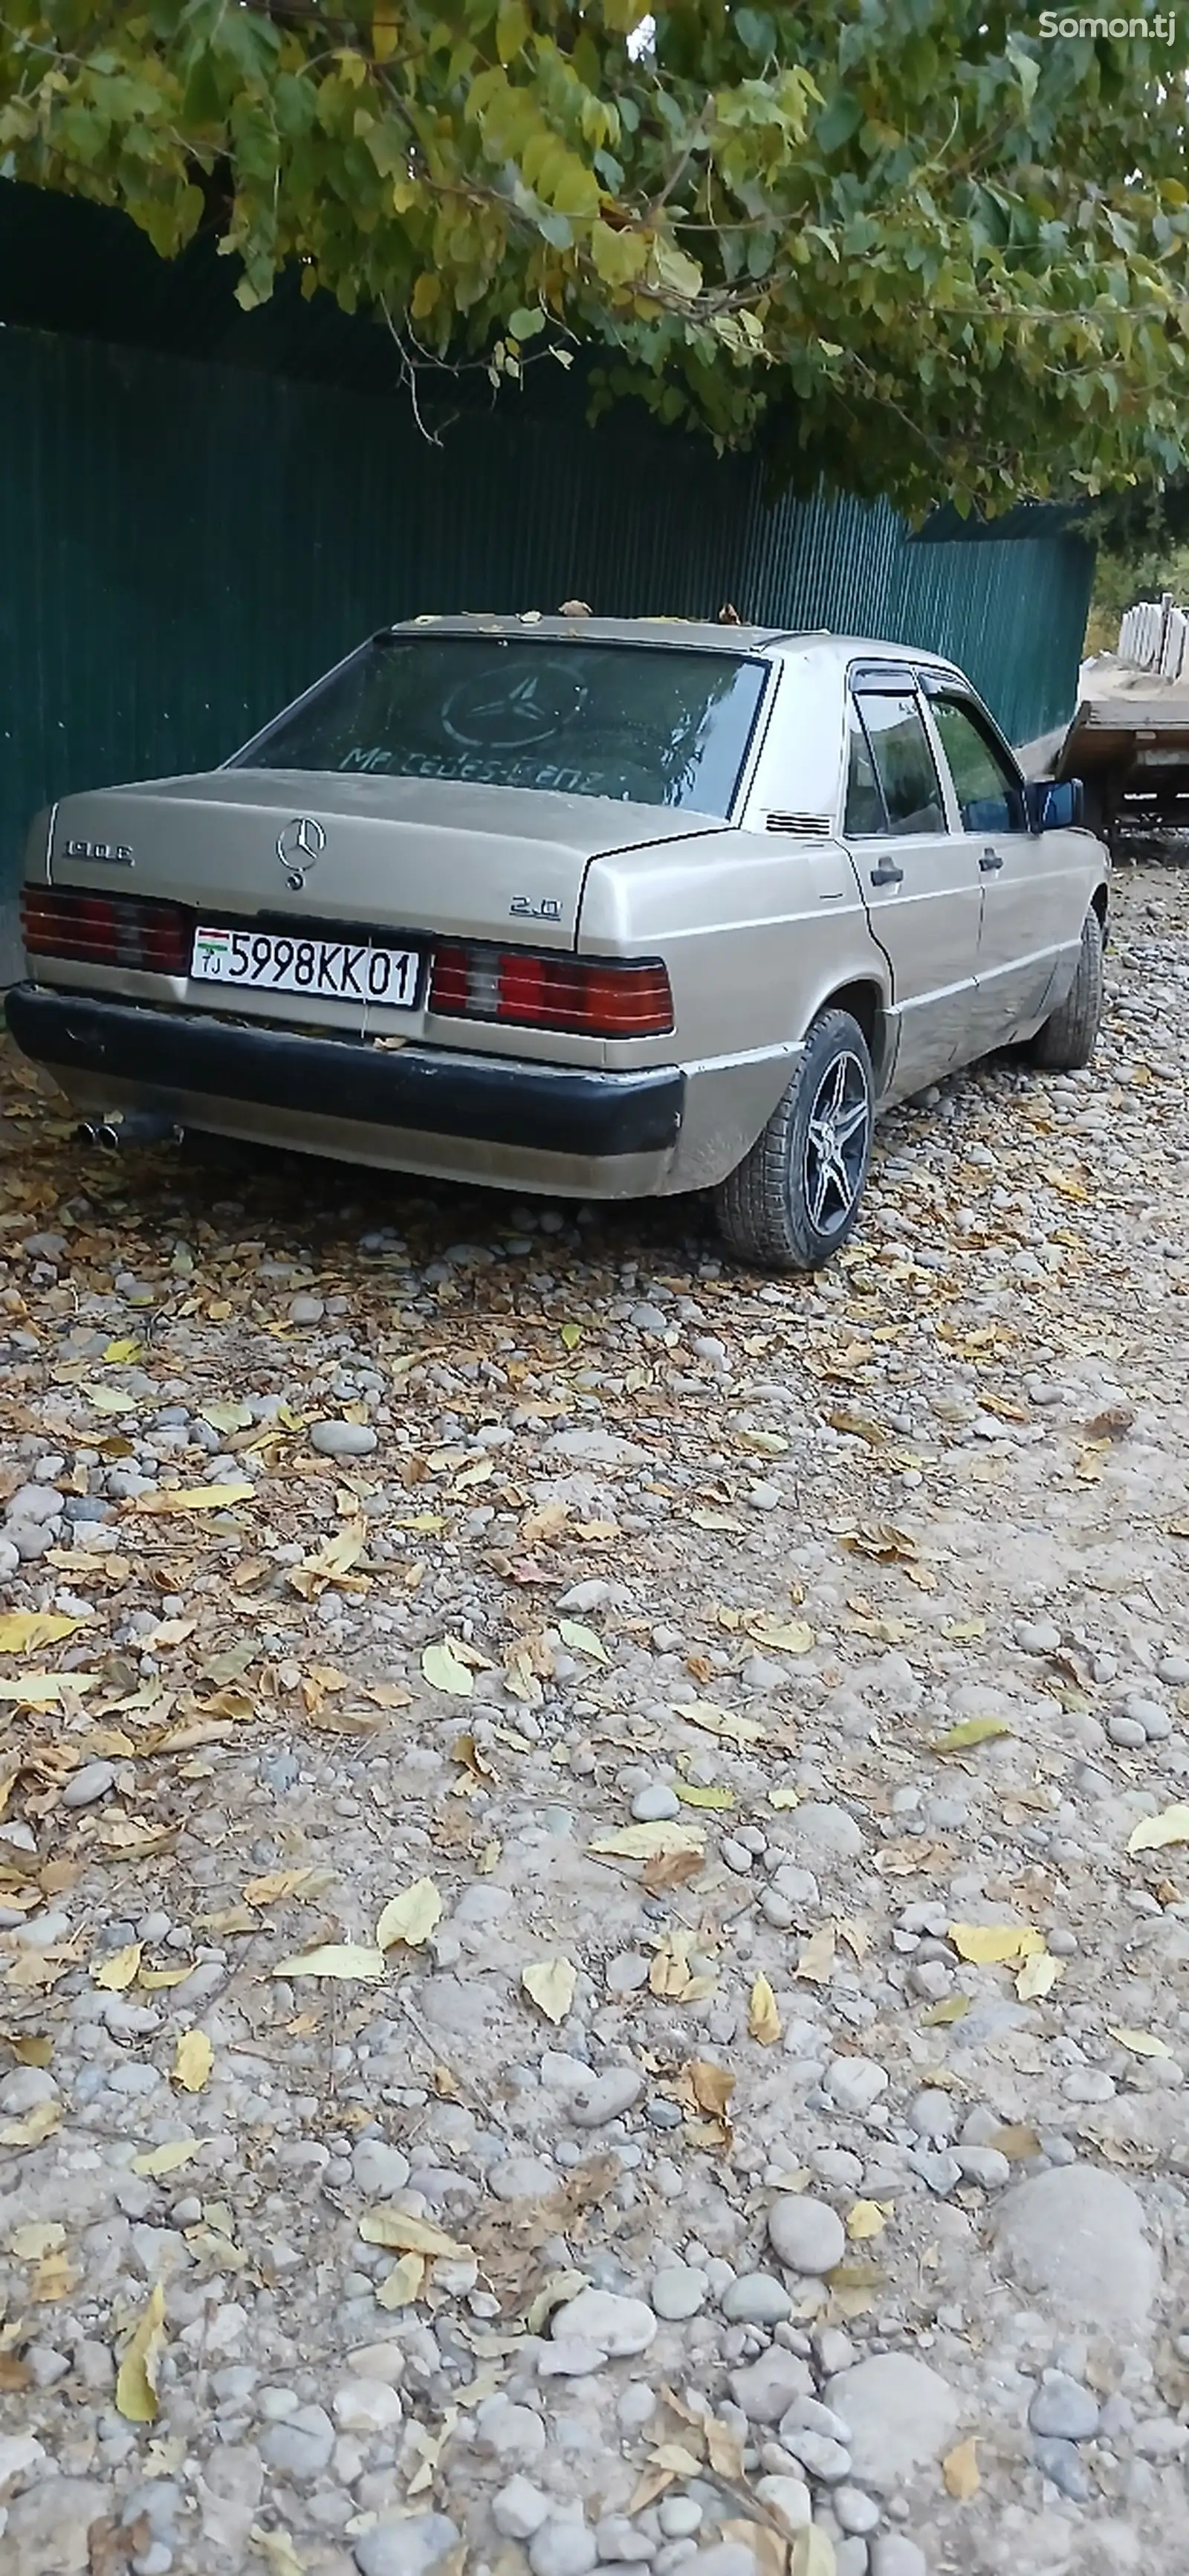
[335, 968]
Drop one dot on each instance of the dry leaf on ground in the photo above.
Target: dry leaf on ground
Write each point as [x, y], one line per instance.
[1155, 1833]
[960, 2471]
[410, 1917]
[333, 1959]
[193, 2062]
[649, 1842]
[387, 2225]
[136, 2378]
[991, 1945]
[763, 2019]
[444, 1670]
[1142, 2043]
[551, 1983]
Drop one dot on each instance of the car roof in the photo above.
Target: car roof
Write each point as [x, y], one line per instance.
[683, 632]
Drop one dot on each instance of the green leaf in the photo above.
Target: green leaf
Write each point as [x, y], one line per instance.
[512, 30]
[523, 324]
[973, 1730]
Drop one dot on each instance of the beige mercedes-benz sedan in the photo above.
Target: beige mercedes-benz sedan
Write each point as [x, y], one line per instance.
[567, 905]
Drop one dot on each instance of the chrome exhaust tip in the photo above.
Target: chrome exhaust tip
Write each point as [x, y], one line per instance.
[133, 1127]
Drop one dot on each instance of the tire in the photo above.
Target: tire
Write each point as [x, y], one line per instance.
[794, 1199]
[1066, 1042]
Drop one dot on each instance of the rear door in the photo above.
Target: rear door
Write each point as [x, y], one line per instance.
[921, 885]
[1028, 897]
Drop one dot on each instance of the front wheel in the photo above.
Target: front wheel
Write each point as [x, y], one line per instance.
[794, 1199]
[1065, 1042]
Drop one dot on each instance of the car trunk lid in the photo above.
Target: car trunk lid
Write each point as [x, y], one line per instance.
[387, 854]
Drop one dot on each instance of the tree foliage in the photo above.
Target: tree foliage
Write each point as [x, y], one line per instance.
[905, 243]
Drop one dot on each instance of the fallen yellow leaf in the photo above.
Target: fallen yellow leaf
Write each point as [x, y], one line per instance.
[333, 1959]
[410, 1917]
[41, 2236]
[404, 2284]
[21, 1631]
[816, 1962]
[1038, 1976]
[866, 2219]
[444, 1671]
[551, 1982]
[1142, 2043]
[974, 1730]
[194, 2060]
[158, 2161]
[198, 1498]
[787, 1636]
[649, 1842]
[276, 2547]
[763, 2019]
[960, 2471]
[120, 1970]
[582, 1641]
[784, 1797]
[37, 2125]
[278, 1883]
[1157, 1832]
[395, 2229]
[136, 2379]
[813, 2553]
[990, 1945]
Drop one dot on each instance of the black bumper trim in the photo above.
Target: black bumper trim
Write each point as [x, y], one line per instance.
[547, 1109]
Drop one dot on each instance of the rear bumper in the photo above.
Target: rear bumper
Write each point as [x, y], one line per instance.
[178, 1061]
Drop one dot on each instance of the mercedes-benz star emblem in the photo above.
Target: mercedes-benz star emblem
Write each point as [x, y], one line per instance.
[299, 847]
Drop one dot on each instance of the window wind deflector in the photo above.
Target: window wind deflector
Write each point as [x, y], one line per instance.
[893, 678]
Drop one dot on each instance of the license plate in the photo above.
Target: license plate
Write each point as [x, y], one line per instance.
[340, 970]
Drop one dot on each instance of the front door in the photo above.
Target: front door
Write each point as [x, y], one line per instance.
[922, 887]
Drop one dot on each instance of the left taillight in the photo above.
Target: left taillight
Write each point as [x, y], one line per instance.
[105, 930]
[585, 996]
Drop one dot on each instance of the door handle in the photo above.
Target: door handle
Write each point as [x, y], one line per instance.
[887, 874]
[990, 860]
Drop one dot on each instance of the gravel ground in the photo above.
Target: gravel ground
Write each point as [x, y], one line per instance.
[592, 1912]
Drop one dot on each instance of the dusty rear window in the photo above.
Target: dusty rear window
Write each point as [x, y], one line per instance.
[647, 726]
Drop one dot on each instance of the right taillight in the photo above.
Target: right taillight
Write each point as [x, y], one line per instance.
[105, 930]
[586, 996]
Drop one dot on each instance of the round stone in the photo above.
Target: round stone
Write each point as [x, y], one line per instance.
[756, 2299]
[406, 2544]
[678, 2291]
[343, 1439]
[806, 2235]
[562, 2547]
[1063, 2410]
[855, 2083]
[617, 2326]
[788, 2497]
[655, 1805]
[367, 2406]
[1076, 2235]
[606, 2097]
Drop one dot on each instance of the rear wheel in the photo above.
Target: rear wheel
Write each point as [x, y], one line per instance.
[794, 1199]
[1065, 1043]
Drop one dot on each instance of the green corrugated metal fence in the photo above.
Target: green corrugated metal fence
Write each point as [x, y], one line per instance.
[184, 545]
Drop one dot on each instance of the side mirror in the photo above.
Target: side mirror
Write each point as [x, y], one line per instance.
[1053, 807]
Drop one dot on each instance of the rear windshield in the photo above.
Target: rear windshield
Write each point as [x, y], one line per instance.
[645, 725]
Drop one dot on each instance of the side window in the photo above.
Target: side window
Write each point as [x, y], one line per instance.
[864, 811]
[987, 791]
[904, 764]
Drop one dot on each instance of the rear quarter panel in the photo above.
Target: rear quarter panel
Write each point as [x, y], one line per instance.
[757, 932]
